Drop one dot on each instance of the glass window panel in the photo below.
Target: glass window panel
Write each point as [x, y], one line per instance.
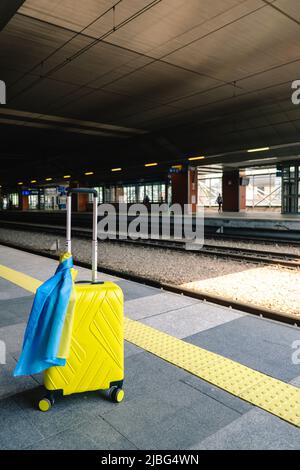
[33, 201]
[148, 191]
[155, 193]
[100, 195]
[208, 191]
[169, 194]
[141, 193]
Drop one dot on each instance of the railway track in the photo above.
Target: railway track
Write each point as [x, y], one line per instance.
[267, 257]
[248, 308]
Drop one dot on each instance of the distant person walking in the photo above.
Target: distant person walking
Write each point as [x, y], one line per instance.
[146, 201]
[219, 201]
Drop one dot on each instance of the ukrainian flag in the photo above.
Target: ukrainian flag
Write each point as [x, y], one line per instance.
[48, 334]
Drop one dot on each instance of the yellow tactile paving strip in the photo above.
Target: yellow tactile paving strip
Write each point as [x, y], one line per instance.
[22, 280]
[275, 396]
[272, 395]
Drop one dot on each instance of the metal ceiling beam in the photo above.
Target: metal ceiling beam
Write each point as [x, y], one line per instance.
[47, 122]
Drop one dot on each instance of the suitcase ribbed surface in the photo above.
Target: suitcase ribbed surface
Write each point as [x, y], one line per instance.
[97, 348]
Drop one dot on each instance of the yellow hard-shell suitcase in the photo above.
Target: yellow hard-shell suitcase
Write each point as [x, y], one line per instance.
[96, 359]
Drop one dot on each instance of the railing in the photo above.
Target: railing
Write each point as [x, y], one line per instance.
[267, 196]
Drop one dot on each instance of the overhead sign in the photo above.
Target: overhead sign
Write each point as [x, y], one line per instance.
[175, 169]
[61, 190]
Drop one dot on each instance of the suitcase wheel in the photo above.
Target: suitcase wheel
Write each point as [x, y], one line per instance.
[45, 404]
[117, 395]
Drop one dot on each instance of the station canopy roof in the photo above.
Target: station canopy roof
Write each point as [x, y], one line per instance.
[102, 83]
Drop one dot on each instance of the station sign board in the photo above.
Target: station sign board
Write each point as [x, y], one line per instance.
[61, 190]
[175, 169]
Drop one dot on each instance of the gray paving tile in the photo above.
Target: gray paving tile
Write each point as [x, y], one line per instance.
[189, 320]
[67, 412]
[38, 266]
[33, 265]
[15, 430]
[10, 385]
[13, 337]
[70, 439]
[162, 302]
[258, 343]
[219, 395]
[9, 290]
[145, 373]
[296, 381]
[256, 430]
[133, 290]
[14, 311]
[171, 417]
[92, 434]
[130, 350]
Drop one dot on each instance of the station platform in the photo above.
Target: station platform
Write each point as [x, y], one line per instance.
[245, 223]
[266, 220]
[168, 404]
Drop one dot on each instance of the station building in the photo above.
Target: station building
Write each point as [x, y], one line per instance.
[257, 188]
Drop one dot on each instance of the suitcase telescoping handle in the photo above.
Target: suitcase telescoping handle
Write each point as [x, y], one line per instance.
[71, 191]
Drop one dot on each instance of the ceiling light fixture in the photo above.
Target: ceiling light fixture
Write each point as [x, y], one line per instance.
[196, 158]
[262, 149]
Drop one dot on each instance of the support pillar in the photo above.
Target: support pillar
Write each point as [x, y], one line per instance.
[184, 188]
[192, 189]
[179, 188]
[82, 202]
[79, 201]
[23, 202]
[243, 189]
[234, 195]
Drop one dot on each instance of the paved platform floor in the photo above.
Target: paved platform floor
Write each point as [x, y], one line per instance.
[251, 214]
[165, 407]
[252, 220]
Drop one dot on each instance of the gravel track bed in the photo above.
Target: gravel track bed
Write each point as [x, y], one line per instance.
[253, 245]
[274, 288]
